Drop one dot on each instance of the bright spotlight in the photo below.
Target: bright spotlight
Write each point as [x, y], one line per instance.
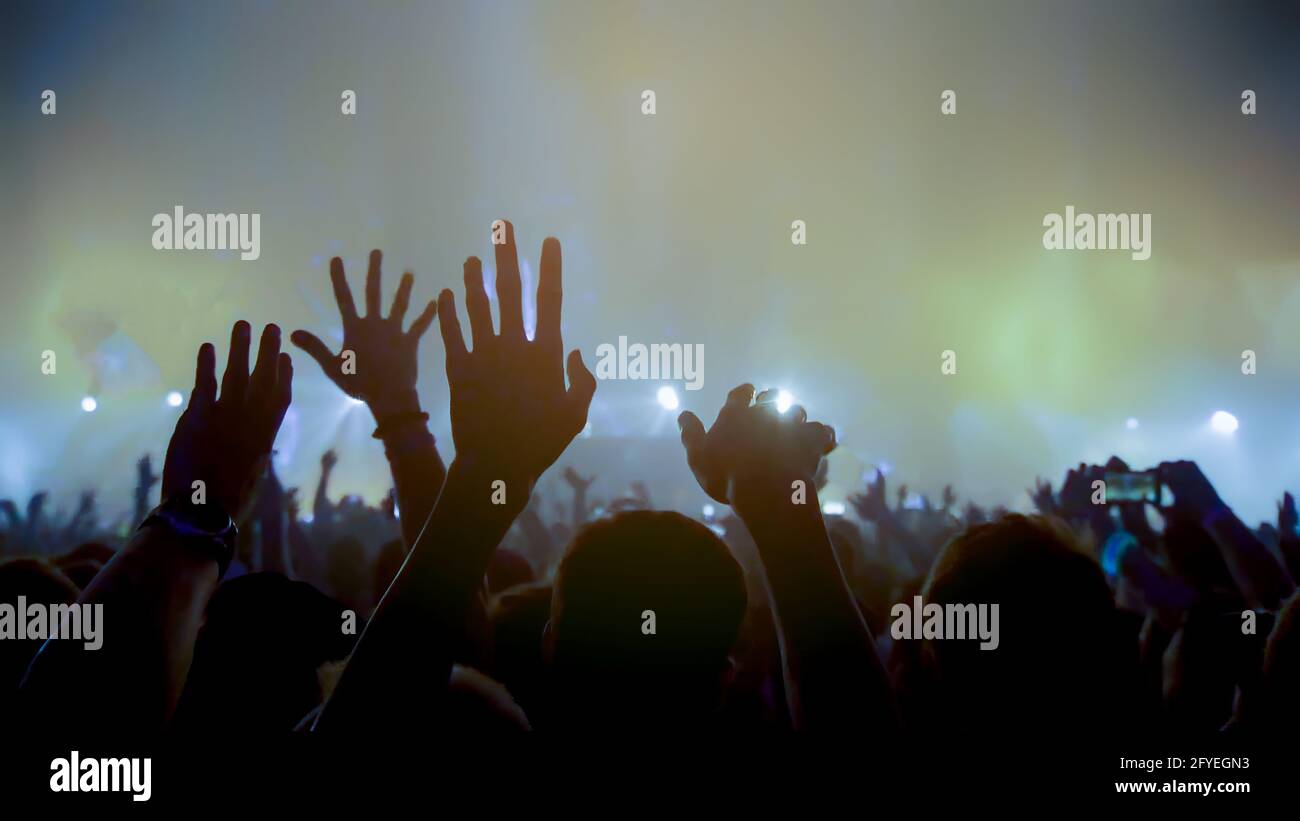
[708, 511]
[1132, 423]
[356, 401]
[174, 399]
[668, 398]
[1224, 423]
[833, 508]
[88, 404]
[784, 399]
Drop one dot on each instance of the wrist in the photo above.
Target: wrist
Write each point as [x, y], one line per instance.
[762, 496]
[394, 403]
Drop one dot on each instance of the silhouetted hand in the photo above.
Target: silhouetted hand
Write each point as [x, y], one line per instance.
[328, 460]
[383, 368]
[949, 499]
[1193, 493]
[222, 441]
[1287, 518]
[1075, 499]
[872, 505]
[1042, 496]
[752, 452]
[576, 481]
[145, 477]
[511, 416]
[291, 503]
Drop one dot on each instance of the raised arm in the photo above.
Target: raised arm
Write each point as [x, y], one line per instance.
[378, 364]
[763, 464]
[511, 418]
[149, 600]
[1259, 577]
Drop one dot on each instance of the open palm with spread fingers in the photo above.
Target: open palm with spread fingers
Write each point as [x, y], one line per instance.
[511, 415]
[377, 363]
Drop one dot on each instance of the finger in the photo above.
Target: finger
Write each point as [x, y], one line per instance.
[449, 324]
[205, 377]
[313, 347]
[477, 305]
[373, 283]
[797, 415]
[509, 289]
[402, 300]
[819, 436]
[261, 387]
[283, 392]
[550, 293]
[767, 395]
[737, 400]
[235, 382]
[342, 293]
[582, 387]
[694, 438]
[424, 320]
[693, 433]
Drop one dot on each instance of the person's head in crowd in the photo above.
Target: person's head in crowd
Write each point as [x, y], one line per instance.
[347, 573]
[1060, 660]
[38, 582]
[256, 658]
[646, 608]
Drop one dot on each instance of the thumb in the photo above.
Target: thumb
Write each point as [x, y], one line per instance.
[313, 347]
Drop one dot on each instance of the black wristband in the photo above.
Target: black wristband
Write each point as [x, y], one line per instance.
[217, 543]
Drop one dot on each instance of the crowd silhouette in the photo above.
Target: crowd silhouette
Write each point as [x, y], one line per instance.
[480, 608]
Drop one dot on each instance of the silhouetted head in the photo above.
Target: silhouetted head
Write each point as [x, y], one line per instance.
[255, 660]
[347, 572]
[646, 608]
[1059, 660]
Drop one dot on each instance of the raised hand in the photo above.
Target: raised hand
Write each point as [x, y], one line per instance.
[1042, 496]
[576, 481]
[873, 505]
[377, 362]
[145, 477]
[949, 498]
[328, 460]
[511, 415]
[750, 459]
[222, 441]
[1287, 518]
[752, 452]
[1193, 493]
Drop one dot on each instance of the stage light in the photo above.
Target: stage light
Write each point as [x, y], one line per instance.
[356, 401]
[668, 398]
[1132, 423]
[784, 401]
[708, 511]
[175, 399]
[1224, 423]
[833, 508]
[88, 404]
